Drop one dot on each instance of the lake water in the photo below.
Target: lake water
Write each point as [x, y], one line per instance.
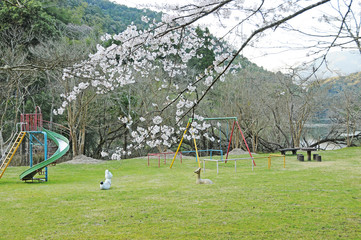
[313, 132]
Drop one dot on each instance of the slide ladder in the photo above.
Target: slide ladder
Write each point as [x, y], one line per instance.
[9, 156]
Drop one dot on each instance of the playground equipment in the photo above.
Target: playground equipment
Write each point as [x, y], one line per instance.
[235, 122]
[269, 157]
[6, 159]
[165, 156]
[32, 126]
[211, 150]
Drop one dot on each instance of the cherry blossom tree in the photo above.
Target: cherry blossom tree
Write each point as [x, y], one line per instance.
[168, 46]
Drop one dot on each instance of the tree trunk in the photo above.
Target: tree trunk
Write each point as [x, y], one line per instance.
[126, 140]
[74, 144]
[82, 131]
[348, 143]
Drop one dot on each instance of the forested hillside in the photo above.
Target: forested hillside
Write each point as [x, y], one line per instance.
[115, 18]
[55, 54]
[341, 103]
[38, 39]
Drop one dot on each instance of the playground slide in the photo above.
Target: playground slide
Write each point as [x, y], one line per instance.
[63, 146]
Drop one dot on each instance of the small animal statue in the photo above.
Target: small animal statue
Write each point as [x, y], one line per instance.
[199, 180]
[108, 181]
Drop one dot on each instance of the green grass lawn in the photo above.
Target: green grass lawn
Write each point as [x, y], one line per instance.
[305, 200]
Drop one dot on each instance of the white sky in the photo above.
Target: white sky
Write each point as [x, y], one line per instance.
[265, 54]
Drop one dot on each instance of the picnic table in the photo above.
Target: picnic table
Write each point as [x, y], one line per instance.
[293, 150]
[309, 150]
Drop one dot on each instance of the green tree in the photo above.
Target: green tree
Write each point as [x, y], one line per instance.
[206, 52]
[29, 18]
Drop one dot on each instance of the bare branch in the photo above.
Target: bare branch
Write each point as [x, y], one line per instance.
[255, 33]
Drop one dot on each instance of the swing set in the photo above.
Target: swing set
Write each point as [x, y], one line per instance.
[189, 125]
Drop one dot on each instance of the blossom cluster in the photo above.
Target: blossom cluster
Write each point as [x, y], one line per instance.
[162, 47]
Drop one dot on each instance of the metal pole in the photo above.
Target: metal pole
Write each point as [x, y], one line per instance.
[284, 161]
[46, 154]
[216, 118]
[195, 146]
[230, 140]
[175, 155]
[226, 137]
[31, 149]
[220, 137]
[245, 142]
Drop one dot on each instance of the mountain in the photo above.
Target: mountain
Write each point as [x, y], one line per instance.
[114, 18]
[337, 85]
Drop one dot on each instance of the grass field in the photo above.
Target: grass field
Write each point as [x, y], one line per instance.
[306, 200]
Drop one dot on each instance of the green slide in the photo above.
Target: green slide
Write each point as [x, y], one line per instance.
[63, 146]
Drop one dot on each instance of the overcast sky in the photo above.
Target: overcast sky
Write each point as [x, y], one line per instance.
[265, 55]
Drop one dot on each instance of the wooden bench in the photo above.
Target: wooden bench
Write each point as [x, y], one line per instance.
[293, 150]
